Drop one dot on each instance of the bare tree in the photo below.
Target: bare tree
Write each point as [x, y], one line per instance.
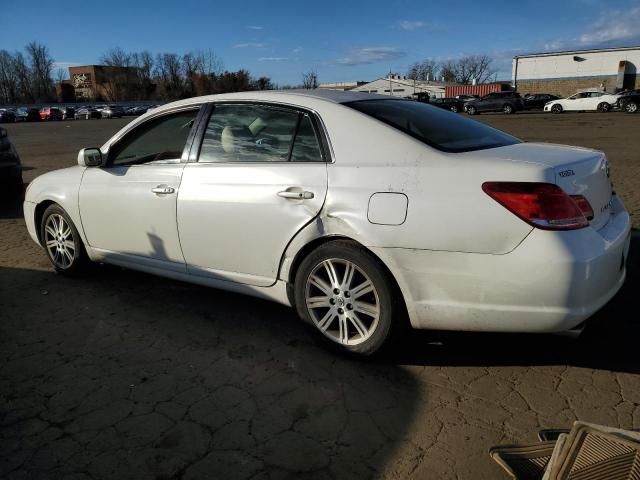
[467, 69]
[144, 63]
[9, 85]
[60, 75]
[425, 70]
[41, 70]
[169, 72]
[310, 80]
[24, 78]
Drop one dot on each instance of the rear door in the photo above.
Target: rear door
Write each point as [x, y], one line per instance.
[260, 176]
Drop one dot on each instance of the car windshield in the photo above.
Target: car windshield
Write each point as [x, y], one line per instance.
[436, 127]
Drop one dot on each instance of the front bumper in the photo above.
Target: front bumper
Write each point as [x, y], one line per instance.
[551, 282]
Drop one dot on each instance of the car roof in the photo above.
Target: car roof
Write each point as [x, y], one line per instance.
[331, 96]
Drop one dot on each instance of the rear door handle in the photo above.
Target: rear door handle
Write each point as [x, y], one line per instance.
[304, 195]
[163, 189]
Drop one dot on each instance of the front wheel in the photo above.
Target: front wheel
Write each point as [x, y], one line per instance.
[61, 241]
[454, 108]
[508, 109]
[471, 110]
[604, 107]
[631, 107]
[556, 108]
[346, 295]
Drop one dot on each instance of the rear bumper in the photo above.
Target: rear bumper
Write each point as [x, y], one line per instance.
[551, 282]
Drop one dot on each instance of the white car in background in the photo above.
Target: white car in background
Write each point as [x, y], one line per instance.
[360, 211]
[584, 101]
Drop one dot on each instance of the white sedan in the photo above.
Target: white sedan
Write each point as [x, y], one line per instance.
[362, 212]
[591, 100]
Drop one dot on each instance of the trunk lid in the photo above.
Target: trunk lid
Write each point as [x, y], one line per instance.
[578, 171]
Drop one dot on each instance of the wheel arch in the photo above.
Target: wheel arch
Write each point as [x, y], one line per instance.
[312, 244]
[39, 213]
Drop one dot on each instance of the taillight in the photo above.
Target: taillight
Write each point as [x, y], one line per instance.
[584, 206]
[542, 205]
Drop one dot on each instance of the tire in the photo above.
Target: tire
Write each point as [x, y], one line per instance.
[454, 108]
[508, 109]
[357, 323]
[631, 107]
[604, 107]
[557, 108]
[61, 242]
[471, 110]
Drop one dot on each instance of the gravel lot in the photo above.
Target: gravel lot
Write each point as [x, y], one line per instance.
[125, 375]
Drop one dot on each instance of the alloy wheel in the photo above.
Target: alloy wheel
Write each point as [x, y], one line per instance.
[631, 107]
[342, 301]
[59, 241]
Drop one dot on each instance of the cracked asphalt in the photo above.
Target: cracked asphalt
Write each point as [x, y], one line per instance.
[124, 375]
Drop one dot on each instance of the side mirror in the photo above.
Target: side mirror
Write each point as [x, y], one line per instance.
[90, 157]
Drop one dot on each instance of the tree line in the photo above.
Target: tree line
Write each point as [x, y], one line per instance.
[26, 77]
[464, 70]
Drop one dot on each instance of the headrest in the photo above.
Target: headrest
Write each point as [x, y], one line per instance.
[232, 136]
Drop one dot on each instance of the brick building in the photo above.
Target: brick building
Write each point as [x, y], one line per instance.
[562, 73]
[100, 82]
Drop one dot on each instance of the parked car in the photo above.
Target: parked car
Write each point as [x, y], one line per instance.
[26, 114]
[87, 113]
[453, 104]
[138, 110]
[585, 101]
[112, 111]
[68, 113]
[629, 101]
[507, 102]
[7, 115]
[10, 166]
[414, 213]
[50, 113]
[537, 100]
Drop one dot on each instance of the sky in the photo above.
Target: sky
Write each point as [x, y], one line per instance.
[341, 40]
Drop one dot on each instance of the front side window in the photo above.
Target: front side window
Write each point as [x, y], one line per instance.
[436, 127]
[163, 138]
[258, 133]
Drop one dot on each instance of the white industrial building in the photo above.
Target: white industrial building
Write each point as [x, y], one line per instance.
[563, 73]
[401, 86]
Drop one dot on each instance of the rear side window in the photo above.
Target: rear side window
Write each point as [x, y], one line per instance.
[436, 127]
[258, 133]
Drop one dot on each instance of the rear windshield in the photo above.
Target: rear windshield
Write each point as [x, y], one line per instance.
[436, 127]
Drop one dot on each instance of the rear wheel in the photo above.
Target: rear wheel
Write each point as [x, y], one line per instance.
[343, 291]
[508, 109]
[454, 108]
[631, 107]
[604, 107]
[61, 241]
[557, 108]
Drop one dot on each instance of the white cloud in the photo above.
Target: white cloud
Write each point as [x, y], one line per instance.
[254, 27]
[249, 45]
[410, 25]
[296, 50]
[619, 27]
[616, 28]
[272, 59]
[362, 56]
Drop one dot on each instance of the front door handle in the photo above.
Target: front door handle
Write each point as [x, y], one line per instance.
[304, 195]
[163, 189]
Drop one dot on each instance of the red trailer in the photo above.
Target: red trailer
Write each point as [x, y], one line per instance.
[480, 90]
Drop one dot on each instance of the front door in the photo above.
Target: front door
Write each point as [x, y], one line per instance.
[128, 206]
[260, 177]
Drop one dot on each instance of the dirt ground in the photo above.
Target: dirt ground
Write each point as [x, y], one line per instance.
[125, 375]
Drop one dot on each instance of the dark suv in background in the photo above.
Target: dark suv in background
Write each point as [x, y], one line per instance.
[507, 102]
[630, 101]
